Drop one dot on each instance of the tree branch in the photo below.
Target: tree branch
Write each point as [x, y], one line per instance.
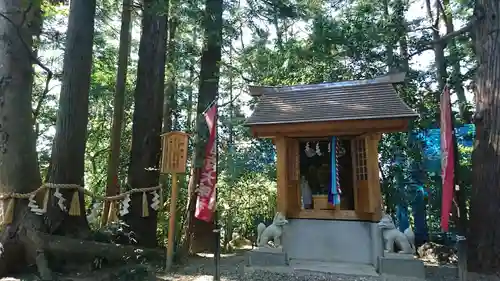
[231, 101]
[239, 72]
[444, 39]
[32, 57]
[43, 96]
[422, 28]
[25, 45]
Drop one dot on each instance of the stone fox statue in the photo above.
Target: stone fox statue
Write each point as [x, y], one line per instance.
[392, 236]
[274, 231]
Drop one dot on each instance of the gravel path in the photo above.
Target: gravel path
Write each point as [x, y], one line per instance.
[232, 269]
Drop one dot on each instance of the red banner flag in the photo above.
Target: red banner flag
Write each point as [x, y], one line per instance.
[205, 203]
[447, 158]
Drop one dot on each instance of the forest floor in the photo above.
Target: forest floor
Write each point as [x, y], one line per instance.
[201, 268]
[232, 268]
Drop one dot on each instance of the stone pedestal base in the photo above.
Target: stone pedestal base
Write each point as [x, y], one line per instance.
[264, 256]
[393, 265]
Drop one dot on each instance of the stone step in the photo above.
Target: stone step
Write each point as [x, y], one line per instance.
[343, 268]
[387, 277]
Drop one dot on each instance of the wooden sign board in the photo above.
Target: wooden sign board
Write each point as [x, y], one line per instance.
[174, 152]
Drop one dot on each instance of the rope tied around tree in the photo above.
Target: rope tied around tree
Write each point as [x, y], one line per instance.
[10, 198]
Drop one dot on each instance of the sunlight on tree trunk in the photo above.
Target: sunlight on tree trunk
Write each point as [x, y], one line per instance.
[189, 106]
[147, 120]
[170, 103]
[68, 150]
[484, 245]
[19, 170]
[118, 106]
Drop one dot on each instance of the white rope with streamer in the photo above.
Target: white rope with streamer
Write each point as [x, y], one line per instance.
[61, 199]
[155, 202]
[125, 205]
[94, 213]
[318, 150]
[124, 198]
[34, 206]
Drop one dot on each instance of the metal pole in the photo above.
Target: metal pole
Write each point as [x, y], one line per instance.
[217, 248]
[462, 257]
[217, 228]
[171, 224]
[462, 217]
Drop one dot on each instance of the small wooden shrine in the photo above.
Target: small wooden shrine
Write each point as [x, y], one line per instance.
[302, 121]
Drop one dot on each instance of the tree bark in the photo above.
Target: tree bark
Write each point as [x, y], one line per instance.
[18, 159]
[68, 150]
[189, 106]
[484, 245]
[170, 103]
[121, 81]
[147, 119]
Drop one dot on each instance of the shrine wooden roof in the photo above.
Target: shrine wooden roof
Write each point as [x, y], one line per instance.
[340, 101]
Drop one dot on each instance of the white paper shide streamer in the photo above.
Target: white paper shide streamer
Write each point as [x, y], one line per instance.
[125, 205]
[34, 206]
[318, 150]
[94, 213]
[309, 151]
[61, 200]
[155, 202]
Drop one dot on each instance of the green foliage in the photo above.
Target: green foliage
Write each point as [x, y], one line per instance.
[244, 200]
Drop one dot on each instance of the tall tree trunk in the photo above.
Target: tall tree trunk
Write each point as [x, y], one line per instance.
[147, 119]
[18, 158]
[170, 103]
[112, 187]
[456, 76]
[400, 9]
[229, 228]
[389, 48]
[403, 53]
[279, 31]
[440, 61]
[208, 90]
[68, 150]
[189, 107]
[484, 225]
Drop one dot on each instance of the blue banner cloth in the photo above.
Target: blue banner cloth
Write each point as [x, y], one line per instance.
[334, 191]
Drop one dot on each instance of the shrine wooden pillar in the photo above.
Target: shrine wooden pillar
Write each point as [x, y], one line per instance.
[281, 174]
[293, 175]
[374, 177]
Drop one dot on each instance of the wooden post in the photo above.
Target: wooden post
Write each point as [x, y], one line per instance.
[171, 223]
[174, 154]
[374, 177]
[281, 174]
